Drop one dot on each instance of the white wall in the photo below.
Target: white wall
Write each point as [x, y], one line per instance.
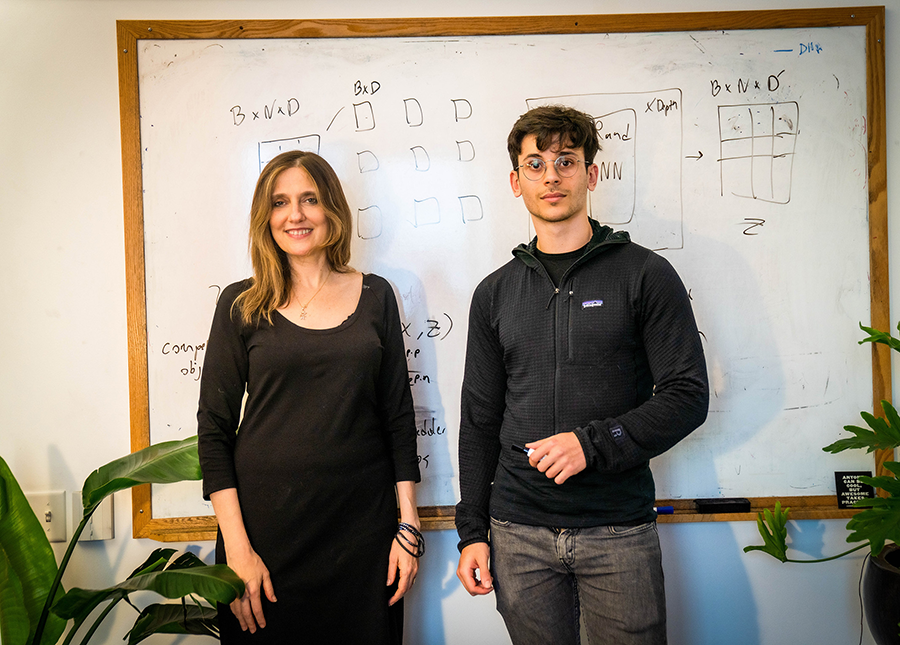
[63, 346]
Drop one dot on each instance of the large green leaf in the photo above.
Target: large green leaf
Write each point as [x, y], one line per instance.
[174, 618]
[213, 583]
[29, 564]
[156, 561]
[884, 433]
[162, 463]
[876, 336]
[78, 604]
[185, 575]
[15, 625]
[877, 524]
[890, 484]
[772, 526]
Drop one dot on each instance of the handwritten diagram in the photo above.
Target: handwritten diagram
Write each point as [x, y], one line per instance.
[756, 150]
[424, 210]
[699, 135]
[268, 150]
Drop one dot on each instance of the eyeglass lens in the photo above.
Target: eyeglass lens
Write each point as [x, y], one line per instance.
[565, 165]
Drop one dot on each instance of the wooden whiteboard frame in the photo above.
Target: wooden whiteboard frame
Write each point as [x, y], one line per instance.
[129, 32]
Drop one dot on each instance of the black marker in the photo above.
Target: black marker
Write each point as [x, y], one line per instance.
[527, 451]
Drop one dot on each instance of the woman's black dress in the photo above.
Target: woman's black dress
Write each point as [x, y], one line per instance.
[328, 428]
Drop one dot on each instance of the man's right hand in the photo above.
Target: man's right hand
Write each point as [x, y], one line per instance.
[474, 558]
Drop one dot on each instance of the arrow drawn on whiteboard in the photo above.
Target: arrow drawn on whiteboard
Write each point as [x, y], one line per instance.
[698, 156]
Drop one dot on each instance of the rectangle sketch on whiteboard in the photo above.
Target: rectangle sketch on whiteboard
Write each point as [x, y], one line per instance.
[757, 149]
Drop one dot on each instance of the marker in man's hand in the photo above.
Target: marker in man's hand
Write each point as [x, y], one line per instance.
[527, 451]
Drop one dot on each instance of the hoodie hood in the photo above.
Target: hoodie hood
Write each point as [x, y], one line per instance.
[602, 238]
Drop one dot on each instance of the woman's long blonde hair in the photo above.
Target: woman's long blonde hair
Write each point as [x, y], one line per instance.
[271, 284]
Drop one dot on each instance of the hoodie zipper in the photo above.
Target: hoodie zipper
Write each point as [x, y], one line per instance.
[570, 298]
[556, 291]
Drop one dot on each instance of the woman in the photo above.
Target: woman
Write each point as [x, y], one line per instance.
[304, 492]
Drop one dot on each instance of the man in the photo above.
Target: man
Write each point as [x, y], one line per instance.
[583, 363]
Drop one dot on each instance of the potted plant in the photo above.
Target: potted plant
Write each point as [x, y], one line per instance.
[34, 609]
[877, 527]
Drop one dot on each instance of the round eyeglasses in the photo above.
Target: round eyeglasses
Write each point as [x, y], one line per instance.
[565, 166]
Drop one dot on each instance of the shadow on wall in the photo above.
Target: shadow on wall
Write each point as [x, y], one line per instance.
[709, 598]
[424, 610]
[439, 611]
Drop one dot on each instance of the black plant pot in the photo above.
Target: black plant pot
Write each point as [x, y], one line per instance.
[881, 595]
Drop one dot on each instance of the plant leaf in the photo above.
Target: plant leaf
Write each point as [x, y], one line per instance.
[79, 603]
[29, 563]
[216, 583]
[893, 418]
[187, 560]
[893, 466]
[14, 622]
[174, 618]
[156, 561]
[889, 484]
[162, 463]
[170, 560]
[884, 433]
[772, 527]
[877, 524]
[876, 336]
[862, 438]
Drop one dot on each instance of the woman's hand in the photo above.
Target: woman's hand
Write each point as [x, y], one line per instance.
[248, 608]
[243, 560]
[403, 568]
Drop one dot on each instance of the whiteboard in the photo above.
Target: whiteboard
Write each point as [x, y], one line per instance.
[740, 155]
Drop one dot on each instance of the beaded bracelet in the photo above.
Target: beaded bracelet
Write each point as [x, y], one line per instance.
[418, 545]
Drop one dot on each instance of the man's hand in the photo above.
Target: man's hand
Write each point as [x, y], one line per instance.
[475, 558]
[559, 457]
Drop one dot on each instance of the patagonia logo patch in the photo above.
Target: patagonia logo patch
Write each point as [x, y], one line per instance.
[587, 304]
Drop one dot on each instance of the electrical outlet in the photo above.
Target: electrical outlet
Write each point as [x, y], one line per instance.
[101, 526]
[50, 509]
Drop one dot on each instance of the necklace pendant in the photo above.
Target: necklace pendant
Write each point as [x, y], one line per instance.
[302, 306]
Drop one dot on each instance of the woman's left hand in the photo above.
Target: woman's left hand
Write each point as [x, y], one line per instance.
[401, 567]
